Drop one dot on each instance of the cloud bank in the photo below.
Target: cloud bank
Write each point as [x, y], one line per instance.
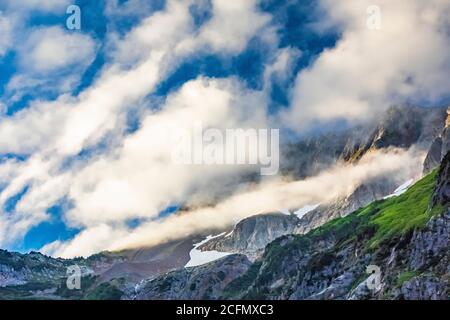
[267, 197]
[406, 59]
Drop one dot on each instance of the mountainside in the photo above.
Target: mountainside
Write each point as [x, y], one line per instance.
[34, 275]
[439, 147]
[203, 282]
[321, 253]
[364, 194]
[401, 126]
[252, 234]
[405, 237]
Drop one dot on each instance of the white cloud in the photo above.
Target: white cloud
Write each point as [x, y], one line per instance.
[6, 30]
[13, 20]
[118, 188]
[50, 59]
[138, 179]
[50, 48]
[53, 132]
[232, 25]
[33, 129]
[407, 59]
[96, 238]
[263, 198]
[160, 31]
[281, 68]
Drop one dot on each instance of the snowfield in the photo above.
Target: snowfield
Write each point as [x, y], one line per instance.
[199, 257]
[400, 190]
[304, 210]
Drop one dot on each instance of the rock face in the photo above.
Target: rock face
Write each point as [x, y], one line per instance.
[142, 263]
[362, 196]
[35, 275]
[401, 126]
[202, 282]
[424, 288]
[414, 267]
[18, 269]
[321, 266]
[439, 147]
[331, 262]
[434, 156]
[442, 194]
[252, 234]
[432, 241]
[11, 277]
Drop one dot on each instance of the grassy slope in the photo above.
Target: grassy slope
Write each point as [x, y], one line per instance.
[388, 218]
[378, 223]
[408, 211]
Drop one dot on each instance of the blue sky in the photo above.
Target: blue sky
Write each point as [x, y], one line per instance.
[292, 17]
[281, 57]
[247, 65]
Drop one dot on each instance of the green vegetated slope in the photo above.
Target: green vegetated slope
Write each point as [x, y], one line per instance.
[386, 219]
[299, 261]
[381, 220]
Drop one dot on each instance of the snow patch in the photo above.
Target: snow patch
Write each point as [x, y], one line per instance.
[400, 190]
[199, 257]
[285, 211]
[229, 234]
[304, 210]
